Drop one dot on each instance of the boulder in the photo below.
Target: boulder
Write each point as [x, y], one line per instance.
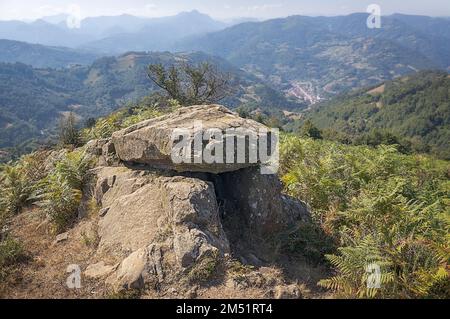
[161, 219]
[287, 292]
[61, 237]
[258, 200]
[141, 267]
[130, 272]
[146, 208]
[151, 142]
[99, 270]
[94, 147]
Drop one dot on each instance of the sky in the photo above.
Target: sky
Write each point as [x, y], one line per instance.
[219, 9]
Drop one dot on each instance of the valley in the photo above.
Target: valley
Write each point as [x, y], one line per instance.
[116, 182]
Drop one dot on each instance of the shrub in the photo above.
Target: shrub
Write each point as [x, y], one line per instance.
[15, 189]
[352, 264]
[191, 84]
[205, 268]
[309, 240]
[379, 206]
[61, 191]
[68, 132]
[407, 239]
[149, 107]
[11, 252]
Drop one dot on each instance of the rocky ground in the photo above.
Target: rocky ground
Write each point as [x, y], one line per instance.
[152, 228]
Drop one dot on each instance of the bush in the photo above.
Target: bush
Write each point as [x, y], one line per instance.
[148, 108]
[15, 189]
[379, 206]
[11, 252]
[308, 240]
[61, 191]
[68, 131]
[205, 268]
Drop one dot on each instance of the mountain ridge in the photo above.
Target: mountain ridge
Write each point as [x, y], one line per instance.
[31, 109]
[41, 56]
[414, 109]
[331, 54]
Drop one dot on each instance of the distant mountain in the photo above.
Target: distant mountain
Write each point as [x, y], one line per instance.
[112, 34]
[31, 99]
[42, 32]
[105, 26]
[318, 57]
[56, 19]
[157, 34]
[42, 56]
[415, 108]
[231, 22]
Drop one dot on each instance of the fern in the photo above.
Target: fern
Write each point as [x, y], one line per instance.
[15, 189]
[60, 192]
[379, 206]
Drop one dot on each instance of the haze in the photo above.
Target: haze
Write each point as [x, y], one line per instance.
[224, 10]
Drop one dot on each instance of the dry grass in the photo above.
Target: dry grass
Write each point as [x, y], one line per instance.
[44, 275]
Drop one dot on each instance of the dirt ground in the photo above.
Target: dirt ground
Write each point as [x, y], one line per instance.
[45, 271]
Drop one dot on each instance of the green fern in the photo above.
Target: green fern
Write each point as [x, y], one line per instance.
[60, 193]
[379, 206]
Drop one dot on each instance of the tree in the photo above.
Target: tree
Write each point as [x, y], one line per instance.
[68, 131]
[191, 84]
[274, 122]
[243, 112]
[310, 130]
[90, 122]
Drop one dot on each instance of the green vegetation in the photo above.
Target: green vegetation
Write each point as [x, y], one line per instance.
[309, 130]
[41, 56]
[60, 192]
[330, 55]
[191, 84]
[56, 187]
[204, 269]
[147, 108]
[68, 132]
[11, 253]
[33, 100]
[15, 189]
[413, 111]
[17, 182]
[377, 206]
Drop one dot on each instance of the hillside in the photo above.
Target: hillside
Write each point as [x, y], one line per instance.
[306, 58]
[40, 56]
[322, 56]
[137, 224]
[31, 99]
[415, 108]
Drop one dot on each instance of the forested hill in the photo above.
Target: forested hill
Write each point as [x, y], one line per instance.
[415, 109]
[41, 56]
[33, 99]
[325, 56]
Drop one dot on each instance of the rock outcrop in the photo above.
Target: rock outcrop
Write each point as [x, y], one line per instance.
[152, 142]
[161, 220]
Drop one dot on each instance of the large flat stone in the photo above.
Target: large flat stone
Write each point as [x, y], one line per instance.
[150, 142]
